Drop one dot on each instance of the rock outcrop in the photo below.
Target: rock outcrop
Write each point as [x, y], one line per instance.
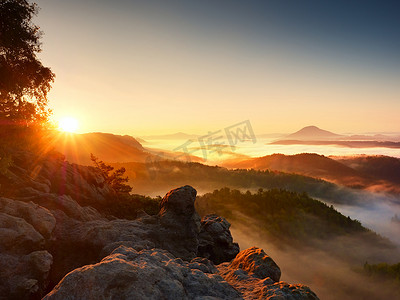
[24, 262]
[156, 274]
[257, 264]
[179, 223]
[148, 274]
[175, 229]
[31, 175]
[39, 217]
[256, 276]
[48, 231]
[215, 240]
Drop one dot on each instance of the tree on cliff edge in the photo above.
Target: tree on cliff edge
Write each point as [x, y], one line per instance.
[114, 179]
[24, 81]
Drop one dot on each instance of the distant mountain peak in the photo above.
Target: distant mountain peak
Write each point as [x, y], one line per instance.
[311, 127]
[314, 133]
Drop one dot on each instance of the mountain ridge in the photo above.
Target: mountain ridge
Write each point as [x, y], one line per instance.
[354, 172]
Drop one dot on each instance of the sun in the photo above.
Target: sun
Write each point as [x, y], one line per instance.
[68, 124]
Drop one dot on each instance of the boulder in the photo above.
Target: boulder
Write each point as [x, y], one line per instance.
[18, 236]
[24, 276]
[257, 264]
[39, 217]
[76, 243]
[65, 204]
[256, 276]
[178, 203]
[148, 274]
[24, 264]
[215, 240]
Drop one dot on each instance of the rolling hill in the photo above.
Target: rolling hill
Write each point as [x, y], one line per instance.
[308, 164]
[380, 166]
[374, 173]
[109, 147]
[367, 172]
[153, 178]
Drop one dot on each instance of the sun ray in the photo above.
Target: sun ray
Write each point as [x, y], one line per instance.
[68, 124]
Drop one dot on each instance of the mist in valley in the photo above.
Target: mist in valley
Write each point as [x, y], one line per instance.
[375, 211]
[331, 277]
[334, 267]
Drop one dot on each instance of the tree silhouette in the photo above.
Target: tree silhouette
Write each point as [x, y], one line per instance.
[115, 179]
[24, 81]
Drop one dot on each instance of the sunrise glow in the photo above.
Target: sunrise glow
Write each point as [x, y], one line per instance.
[235, 143]
[68, 124]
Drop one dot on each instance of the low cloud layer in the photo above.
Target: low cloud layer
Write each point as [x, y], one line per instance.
[329, 277]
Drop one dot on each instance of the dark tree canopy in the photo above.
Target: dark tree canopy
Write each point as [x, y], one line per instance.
[24, 81]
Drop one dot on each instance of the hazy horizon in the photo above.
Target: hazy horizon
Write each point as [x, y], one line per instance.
[203, 131]
[131, 67]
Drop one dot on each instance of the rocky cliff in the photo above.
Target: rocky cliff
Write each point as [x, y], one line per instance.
[55, 245]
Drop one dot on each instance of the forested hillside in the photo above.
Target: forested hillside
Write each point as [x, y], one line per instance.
[290, 219]
[149, 178]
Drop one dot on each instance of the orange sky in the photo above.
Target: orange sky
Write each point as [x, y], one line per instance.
[141, 69]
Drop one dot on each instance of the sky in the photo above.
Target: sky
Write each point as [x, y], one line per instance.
[155, 67]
